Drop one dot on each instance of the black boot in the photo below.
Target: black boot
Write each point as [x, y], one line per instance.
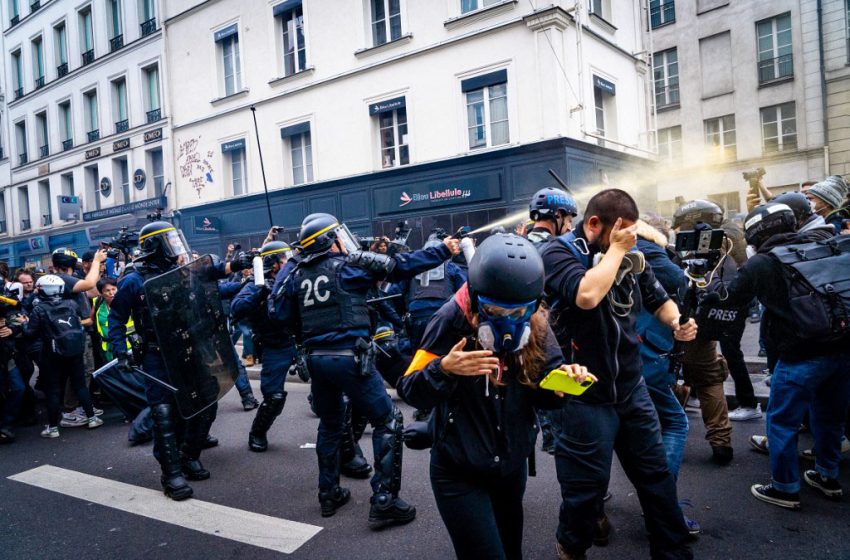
[210, 442]
[386, 506]
[266, 414]
[197, 429]
[354, 464]
[333, 499]
[168, 455]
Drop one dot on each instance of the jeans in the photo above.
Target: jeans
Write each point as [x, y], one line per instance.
[482, 514]
[276, 362]
[671, 415]
[589, 436]
[13, 382]
[331, 376]
[243, 385]
[244, 330]
[822, 384]
[58, 371]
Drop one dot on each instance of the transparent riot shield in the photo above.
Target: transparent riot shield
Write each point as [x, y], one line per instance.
[191, 329]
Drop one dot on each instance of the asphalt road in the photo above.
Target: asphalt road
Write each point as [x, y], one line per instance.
[37, 523]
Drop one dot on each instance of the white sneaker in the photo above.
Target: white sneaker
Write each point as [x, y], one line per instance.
[71, 420]
[743, 413]
[82, 413]
[810, 453]
[50, 432]
[692, 405]
[94, 422]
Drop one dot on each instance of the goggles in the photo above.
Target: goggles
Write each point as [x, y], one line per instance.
[517, 312]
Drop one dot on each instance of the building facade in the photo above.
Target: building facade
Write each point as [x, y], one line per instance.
[834, 21]
[382, 110]
[88, 137]
[740, 89]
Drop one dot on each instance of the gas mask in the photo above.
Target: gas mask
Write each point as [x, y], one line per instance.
[633, 262]
[504, 327]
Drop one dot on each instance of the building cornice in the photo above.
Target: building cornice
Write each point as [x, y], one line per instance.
[185, 13]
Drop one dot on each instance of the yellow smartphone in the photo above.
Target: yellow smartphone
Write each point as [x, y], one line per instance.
[560, 380]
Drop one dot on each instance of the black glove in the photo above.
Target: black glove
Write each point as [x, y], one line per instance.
[240, 262]
[373, 262]
[711, 298]
[125, 362]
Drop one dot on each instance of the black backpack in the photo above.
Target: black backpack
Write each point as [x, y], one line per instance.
[818, 279]
[63, 332]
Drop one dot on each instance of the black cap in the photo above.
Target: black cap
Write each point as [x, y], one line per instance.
[88, 256]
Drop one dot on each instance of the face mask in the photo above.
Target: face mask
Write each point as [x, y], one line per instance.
[504, 328]
[814, 206]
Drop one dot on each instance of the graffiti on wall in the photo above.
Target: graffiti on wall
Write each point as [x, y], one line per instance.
[194, 166]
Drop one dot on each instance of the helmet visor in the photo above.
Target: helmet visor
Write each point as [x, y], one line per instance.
[347, 239]
[174, 245]
[512, 311]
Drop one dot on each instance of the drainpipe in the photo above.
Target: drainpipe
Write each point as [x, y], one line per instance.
[823, 89]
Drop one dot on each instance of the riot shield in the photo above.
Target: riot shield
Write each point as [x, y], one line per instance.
[191, 329]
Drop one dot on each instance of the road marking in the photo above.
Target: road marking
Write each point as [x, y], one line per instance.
[247, 527]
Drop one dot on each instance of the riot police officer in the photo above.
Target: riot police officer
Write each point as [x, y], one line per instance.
[163, 248]
[323, 292]
[552, 211]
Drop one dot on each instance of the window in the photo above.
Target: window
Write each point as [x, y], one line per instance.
[386, 21]
[228, 39]
[599, 110]
[41, 134]
[68, 184]
[121, 175]
[595, 7]
[301, 152]
[60, 50]
[720, 138]
[3, 228]
[86, 36]
[92, 188]
[294, 51]
[155, 165]
[119, 105]
[486, 100]
[24, 207]
[234, 155]
[116, 36]
[38, 62]
[65, 127]
[17, 64]
[665, 71]
[44, 203]
[779, 128]
[774, 44]
[21, 139]
[847, 26]
[393, 132]
[661, 12]
[14, 14]
[472, 5]
[147, 15]
[90, 111]
[670, 144]
[153, 112]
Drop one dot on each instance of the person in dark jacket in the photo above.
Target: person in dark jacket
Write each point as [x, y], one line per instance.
[479, 365]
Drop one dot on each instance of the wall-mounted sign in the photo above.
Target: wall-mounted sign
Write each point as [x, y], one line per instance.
[153, 135]
[604, 85]
[207, 225]
[93, 153]
[36, 243]
[70, 207]
[233, 145]
[119, 145]
[105, 186]
[139, 179]
[138, 206]
[388, 105]
[422, 196]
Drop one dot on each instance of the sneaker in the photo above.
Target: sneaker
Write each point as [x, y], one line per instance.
[82, 413]
[755, 318]
[7, 435]
[94, 422]
[249, 402]
[744, 413]
[71, 420]
[694, 528]
[767, 493]
[50, 432]
[692, 405]
[810, 453]
[767, 380]
[759, 443]
[829, 486]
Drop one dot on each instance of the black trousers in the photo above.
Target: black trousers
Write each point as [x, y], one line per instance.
[483, 514]
[57, 371]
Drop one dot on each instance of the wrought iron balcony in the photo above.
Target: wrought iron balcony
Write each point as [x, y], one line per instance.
[44, 151]
[154, 115]
[148, 27]
[2, 226]
[93, 135]
[62, 69]
[122, 126]
[39, 82]
[667, 96]
[14, 21]
[23, 158]
[46, 220]
[25, 224]
[88, 57]
[67, 144]
[776, 68]
[34, 6]
[19, 93]
[116, 43]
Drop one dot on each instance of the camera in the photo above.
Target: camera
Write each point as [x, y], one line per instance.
[752, 176]
[124, 242]
[703, 248]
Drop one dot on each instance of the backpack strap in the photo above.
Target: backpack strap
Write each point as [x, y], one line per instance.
[578, 247]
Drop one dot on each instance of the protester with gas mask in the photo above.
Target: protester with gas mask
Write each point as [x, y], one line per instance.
[596, 284]
[479, 365]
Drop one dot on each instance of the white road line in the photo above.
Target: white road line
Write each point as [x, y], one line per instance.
[247, 527]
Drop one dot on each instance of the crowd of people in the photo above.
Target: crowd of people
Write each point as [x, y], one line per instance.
[595, 326]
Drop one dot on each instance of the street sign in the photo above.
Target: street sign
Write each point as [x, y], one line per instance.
[70, 207]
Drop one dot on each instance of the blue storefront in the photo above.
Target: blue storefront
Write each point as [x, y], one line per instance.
[473, 190]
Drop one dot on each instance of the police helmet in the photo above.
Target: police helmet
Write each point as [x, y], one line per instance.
[798, 203]
[548, 201]
[507, 268]
[63, 258]
[698, 211]
[767, 220]
[49, 286]
[272, 252]
[320, 231]
[163, 240]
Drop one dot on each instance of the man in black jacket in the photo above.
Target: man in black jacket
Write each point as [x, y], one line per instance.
[595, 309]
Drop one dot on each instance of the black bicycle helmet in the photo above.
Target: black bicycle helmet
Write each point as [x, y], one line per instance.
[698, 211]
[798, 203]
[63, 258]
[508, 268]
[767, 220]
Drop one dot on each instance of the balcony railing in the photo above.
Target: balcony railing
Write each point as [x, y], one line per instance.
[148, 27]
[25, 224]
[88, 57]
[34, 6]
[776, 68]
[668, 96]
[2, 226]
[93, 135]
[46, 220]
[122, 126]
[39, 82]
[23, 158]
[154, 115]
[67, 144]
[14, 21]
[116, 43]
[44, 151]
[2, 153]
[62, 69]
[19, 93]
[661, 14]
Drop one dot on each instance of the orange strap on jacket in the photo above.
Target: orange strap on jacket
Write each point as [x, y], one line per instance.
[420, 360]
